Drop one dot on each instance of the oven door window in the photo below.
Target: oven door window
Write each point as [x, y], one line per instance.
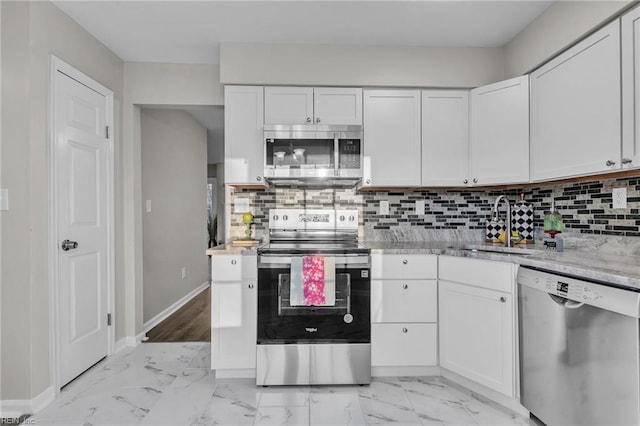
[342, 304]
[346, 321]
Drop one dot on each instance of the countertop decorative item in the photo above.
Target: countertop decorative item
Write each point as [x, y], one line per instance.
[247, 219]
[553, 227]
[522, 219]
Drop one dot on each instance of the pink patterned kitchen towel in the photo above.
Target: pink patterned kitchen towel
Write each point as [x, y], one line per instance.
[313, 280]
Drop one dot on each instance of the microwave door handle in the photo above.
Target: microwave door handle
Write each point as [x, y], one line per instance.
[336, 153]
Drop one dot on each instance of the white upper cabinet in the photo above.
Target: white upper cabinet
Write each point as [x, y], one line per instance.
[445, 137]
[243, 129]
[575, 109]
[499, 145]
[308, 105]
[392, 138]
[631, 89]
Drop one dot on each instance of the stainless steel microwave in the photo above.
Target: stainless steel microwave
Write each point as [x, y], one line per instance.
[313, 155]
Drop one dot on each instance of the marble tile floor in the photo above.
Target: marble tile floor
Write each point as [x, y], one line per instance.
[172, 384]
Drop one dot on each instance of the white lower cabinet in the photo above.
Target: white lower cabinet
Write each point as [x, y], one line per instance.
[404, 344]
[404, 297]
[234, 311]
[476, 321]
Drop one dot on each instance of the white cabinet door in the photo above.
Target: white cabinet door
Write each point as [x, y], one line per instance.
[401, 345]
[235, 347]
[404, 301]
[337, 105]
[575, 109]
[445, 137]
[392, 138]
[631, 89]
[243, 129]
[476, 335]
[288, 105]
[499, 139]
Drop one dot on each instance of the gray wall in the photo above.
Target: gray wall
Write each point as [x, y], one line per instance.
[555, 29]
[291, 64]
[30, 32]
[174, 178]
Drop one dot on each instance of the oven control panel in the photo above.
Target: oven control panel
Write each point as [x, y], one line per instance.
[317, 219]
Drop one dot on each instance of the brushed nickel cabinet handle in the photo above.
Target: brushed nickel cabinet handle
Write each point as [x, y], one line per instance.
[405, 286]
[405, 330]
[610, 163]
[233, 262]
[627, 160]
[405, 261]
[308, 119]
[503, 299]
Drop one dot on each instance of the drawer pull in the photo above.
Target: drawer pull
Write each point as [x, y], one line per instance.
[405, 330]
[250, 285]
[405, 261]
[405, 286]
[503, 299]
[233, 262]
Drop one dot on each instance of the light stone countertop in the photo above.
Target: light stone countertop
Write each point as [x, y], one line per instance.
[616, 269]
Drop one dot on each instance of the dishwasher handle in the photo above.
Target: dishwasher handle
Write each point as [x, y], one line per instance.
[567, 303]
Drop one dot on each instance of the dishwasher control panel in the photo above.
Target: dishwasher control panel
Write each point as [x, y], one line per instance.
[597, 294]
[572, 291]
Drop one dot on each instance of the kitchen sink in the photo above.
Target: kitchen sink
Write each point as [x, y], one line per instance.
[521, 251]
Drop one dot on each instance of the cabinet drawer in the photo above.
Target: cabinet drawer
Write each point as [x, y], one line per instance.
[477, 272]
[226, 267]
[404, 266]
[404, 301]
[407, 344]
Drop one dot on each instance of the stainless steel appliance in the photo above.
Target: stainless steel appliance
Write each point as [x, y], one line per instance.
[579, 350]
[302, 343]
[313, 155]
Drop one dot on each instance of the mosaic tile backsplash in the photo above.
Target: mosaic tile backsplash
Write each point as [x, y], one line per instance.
[586, 208]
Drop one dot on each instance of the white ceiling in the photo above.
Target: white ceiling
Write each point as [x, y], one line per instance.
[191, 31]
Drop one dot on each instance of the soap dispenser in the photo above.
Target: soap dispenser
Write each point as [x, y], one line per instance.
[553, 227]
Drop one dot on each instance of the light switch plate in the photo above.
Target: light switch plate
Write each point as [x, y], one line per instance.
[241, 205]
[619, 198]
[4, 199]
[420, 207]
[384, 207]
[148, 206]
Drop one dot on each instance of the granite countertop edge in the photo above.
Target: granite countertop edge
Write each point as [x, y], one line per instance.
[623, 271]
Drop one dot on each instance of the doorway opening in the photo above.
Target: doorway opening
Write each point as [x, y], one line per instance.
[182, 154]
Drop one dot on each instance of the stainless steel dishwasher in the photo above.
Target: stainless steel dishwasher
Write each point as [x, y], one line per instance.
[579, 350]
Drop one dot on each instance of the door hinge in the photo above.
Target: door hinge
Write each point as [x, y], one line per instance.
[108, 319]
[107, 131]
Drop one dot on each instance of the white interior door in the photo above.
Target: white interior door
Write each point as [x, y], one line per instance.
[82, 202]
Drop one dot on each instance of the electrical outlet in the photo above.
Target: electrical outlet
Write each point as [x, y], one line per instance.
[384, 207]
[619, 198]
[184, 272]
[148, 206]
[4, 199]
[420, 207]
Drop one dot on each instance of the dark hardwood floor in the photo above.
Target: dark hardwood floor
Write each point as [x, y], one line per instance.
[190, 323]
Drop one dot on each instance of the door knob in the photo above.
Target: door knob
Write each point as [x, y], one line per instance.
[69, 245]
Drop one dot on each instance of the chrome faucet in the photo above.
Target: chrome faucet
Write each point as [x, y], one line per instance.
[507, 240]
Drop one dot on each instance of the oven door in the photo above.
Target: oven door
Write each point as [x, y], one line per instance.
[280, 321]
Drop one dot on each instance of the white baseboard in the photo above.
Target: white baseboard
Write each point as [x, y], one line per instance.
[236, 373]
[173, 308]
[432, 370]
[477, 389]
[14, 408]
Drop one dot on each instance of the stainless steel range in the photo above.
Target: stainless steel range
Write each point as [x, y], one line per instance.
[314, 323]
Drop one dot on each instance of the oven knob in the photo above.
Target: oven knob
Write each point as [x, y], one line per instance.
[275, 217]
[341, 218]
[285, 217]
[348, 318]
[352, 218]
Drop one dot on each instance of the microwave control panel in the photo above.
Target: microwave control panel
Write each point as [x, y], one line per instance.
[349, 154]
